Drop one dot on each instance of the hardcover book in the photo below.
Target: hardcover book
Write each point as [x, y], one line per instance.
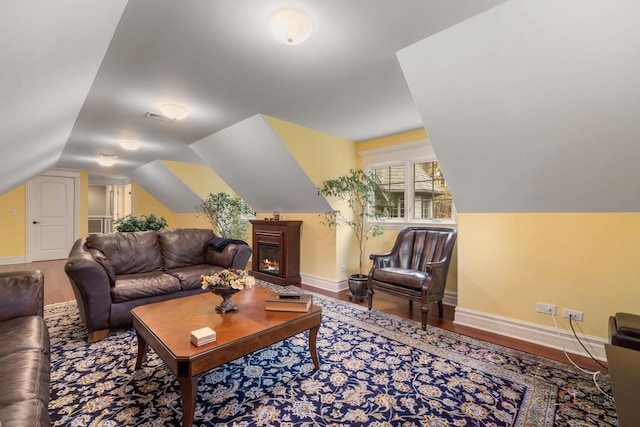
[289, 302]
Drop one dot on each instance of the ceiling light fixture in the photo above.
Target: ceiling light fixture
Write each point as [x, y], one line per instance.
[290, 26]
[129, 144]
[106, 159]
[174, 111]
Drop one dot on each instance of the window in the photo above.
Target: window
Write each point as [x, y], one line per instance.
[412, 174]
[431, 197]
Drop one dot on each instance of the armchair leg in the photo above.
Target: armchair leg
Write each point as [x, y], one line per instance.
[425, 313]
[98, 335]
[440, 310]
[369, 297]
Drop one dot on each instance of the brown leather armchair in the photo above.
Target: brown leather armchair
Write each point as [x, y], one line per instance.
[416, 268]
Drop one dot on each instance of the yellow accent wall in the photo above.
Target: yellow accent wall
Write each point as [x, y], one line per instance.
[12, 228]
[391, 140]
[581, 261]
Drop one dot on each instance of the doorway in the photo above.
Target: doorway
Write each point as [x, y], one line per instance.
[52, 215]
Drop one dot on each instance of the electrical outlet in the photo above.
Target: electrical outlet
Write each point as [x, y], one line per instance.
[572, 314]
[546, 308]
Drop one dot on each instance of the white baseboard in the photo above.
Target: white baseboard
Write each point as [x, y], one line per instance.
[450, 298]
[322, 283]
[531, 332]
[517, 329]
[12, 260]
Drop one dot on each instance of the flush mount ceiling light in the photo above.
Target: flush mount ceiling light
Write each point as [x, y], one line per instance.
[290, 26]
[106, 159]
[174, 111]
[129, 144]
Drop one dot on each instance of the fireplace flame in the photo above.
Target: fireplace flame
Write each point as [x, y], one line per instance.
[269, 265]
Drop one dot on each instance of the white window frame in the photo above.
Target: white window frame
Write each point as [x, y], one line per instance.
[405, 154]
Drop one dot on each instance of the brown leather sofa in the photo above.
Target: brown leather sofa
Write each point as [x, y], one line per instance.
[113, 273]
[24, 351]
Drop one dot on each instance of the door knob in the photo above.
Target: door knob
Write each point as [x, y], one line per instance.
[36, 222]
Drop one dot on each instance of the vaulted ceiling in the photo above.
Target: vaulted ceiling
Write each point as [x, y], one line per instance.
[79, 76]
[542, 91]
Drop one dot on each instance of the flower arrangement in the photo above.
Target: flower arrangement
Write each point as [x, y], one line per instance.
[233, 278]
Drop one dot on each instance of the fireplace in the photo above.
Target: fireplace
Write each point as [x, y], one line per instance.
[276, 251]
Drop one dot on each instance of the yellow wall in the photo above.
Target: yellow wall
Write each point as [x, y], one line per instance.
[12, 228]
[581, 261]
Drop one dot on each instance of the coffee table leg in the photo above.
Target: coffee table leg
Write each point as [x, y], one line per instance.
[188, 389]
[313, 335]
[142, 351]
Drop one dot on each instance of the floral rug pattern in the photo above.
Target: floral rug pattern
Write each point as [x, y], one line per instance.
[376, 370]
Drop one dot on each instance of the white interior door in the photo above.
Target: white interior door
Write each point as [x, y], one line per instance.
[50, 217]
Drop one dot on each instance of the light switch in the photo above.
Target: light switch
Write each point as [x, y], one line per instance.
[12, 212]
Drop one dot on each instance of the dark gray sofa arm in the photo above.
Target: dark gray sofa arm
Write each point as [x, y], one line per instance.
[91, 287]
[21, 294]
[232, 256]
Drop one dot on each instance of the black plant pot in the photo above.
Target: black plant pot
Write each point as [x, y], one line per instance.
[358, 287]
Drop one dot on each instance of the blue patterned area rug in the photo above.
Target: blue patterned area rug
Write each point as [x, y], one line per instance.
[376, 370]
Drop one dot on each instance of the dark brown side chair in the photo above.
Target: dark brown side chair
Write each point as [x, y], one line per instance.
[416, 268]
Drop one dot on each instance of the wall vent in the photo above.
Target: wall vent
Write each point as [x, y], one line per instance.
[158, 116]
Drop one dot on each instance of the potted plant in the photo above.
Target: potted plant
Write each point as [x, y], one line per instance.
[364, 197]
[225, 214]
[139, 223]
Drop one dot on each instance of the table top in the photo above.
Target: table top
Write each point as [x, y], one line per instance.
[170, 322]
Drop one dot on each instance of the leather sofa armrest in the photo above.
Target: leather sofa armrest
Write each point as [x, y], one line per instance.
[91, 287]
[21, 294]
[232, 256]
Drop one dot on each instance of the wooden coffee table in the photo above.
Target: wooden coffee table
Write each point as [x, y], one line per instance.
[166, 326]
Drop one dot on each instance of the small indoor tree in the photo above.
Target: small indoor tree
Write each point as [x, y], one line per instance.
[225, 214]
[365, 200]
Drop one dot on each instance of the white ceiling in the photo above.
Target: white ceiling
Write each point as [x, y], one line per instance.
[77, 76]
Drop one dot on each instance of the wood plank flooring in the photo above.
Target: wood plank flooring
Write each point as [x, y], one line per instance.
[58, 289]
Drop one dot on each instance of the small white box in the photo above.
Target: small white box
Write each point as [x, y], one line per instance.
[203, 336]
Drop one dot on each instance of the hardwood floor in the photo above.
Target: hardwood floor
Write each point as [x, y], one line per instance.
[58, 289]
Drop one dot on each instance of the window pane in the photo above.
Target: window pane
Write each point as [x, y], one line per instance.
[391, 179]
[431, 194]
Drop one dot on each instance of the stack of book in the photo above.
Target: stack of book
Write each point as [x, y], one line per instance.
[289, 302]
[202, 336]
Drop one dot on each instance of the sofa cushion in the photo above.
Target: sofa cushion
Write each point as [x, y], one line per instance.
[182, 247]
[134, 286]
[26, 413]
[190, 276]
[24, 375]
[129, 253]
[24, 333]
